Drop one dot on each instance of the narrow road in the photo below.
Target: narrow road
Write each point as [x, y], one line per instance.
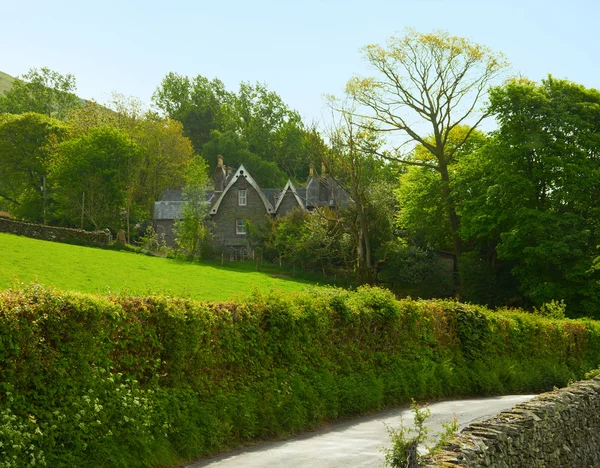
[357, 442]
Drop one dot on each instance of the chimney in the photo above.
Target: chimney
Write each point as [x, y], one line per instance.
[323, 171]
[219, 175]
[228, 171]
[311, 170]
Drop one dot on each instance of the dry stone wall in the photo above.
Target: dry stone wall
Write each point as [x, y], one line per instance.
[555, 429]
[57, 234]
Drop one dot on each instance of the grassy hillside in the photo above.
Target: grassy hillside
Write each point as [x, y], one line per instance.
[90, 270]
[5, 82]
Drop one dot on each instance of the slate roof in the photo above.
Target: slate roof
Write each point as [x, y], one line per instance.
[319, 191]
[170, 206]
[272, 194]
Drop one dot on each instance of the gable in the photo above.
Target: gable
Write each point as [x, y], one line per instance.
[242, 174]
[288, 199]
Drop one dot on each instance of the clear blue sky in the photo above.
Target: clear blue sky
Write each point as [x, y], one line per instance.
[301, 50]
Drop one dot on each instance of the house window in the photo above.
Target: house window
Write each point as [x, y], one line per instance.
[240, 226]
[242, 197]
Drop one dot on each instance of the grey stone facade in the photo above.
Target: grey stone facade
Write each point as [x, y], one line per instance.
[226, 215]
[228, 212]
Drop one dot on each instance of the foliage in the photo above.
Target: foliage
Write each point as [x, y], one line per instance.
[416, 270]
[125, 381]
[94, 174]
[43, 91]
[151, 241]
[164, 152]
[27, 142]
[190, 231]
[253, 126]
[404, 450]
[552, 309]
[232, 144]
[314, 241]
[478, 280]
[531, 194]
[434, 79]
[352, 165]
[423, 214]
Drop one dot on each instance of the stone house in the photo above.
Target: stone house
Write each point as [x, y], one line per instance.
[237, 198]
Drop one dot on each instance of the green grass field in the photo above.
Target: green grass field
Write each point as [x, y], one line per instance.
[98, 271]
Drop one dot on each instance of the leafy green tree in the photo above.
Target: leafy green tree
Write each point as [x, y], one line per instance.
[166, 152]
[423, 216]
[93, 175]
[255, 117]
[191, 230]
[27, 142]
[534, 191]
[427, 84]
[230, 143]
[200, 104]
[43, 91]
[166, 155]
[355, 168]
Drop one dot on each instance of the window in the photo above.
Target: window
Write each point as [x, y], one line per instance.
[240, 226]
[242, 197]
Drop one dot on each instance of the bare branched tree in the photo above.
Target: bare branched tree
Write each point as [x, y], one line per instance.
[427, 85]
[352, 163]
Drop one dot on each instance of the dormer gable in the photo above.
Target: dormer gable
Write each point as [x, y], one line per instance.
[242, 172]
[289, 187]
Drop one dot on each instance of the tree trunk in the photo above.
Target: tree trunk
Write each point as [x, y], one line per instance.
[367, 263]
[448, 201]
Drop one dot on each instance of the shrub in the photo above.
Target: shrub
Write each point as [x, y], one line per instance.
[125, 381]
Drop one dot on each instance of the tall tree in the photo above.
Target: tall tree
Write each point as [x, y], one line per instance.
[256, 116]
[353, 165]
[423, 216]
[535, 190]
[200, 104]
[93, 175]
[166, 152]
[26, 146]
[427, 84]
[43, 91]
[191, 230]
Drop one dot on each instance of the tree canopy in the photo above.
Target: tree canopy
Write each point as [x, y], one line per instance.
[43, 91]
[427, 85]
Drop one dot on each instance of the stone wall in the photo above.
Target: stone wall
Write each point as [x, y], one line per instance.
[288, 203]
[555, 429]
[229, 210]
[57, 234]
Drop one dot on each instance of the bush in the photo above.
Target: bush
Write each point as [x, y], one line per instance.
[420, 271]
[125, 381]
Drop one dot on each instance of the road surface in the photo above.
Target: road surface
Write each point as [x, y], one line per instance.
[355, 443]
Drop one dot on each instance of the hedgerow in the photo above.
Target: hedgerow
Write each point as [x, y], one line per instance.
[126, 381]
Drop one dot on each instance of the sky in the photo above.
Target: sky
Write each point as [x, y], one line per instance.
[301, 50]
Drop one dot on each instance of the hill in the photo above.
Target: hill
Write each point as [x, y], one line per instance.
[5, 82]
[92, 270]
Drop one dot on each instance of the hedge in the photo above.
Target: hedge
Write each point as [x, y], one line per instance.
[123, 381]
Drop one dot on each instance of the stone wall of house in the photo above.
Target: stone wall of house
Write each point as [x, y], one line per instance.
[288, 203]
[164, 228]
[555, 429]
[225, 219]
[53, 233]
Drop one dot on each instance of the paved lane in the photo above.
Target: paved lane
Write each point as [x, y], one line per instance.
[356, 443]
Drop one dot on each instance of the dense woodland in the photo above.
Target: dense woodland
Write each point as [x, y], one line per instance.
[517, 205]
